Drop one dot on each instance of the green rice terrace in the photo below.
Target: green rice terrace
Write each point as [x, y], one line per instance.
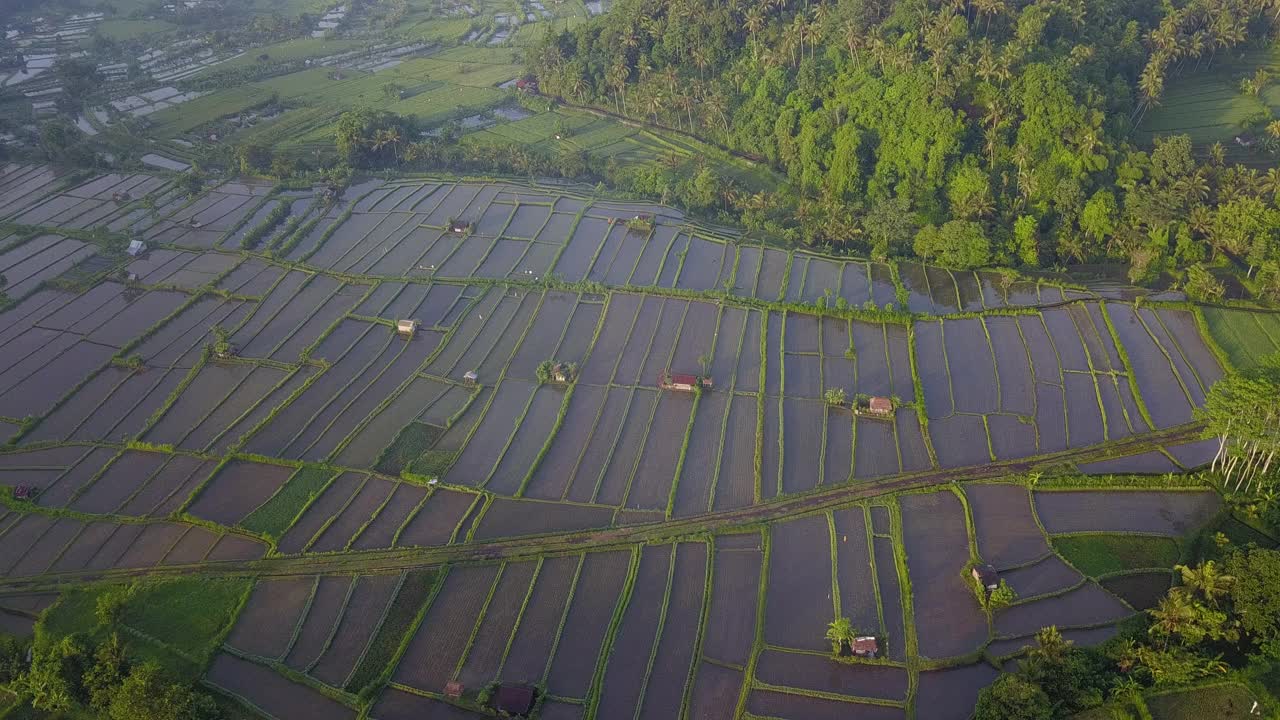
[405, 449]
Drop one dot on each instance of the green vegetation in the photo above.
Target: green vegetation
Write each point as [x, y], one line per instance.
[396, 627]
[1247, 337]
[188, 615]
[275, 516]
[409, 446]
[1096, 555]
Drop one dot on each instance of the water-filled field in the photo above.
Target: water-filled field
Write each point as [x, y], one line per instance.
[240, 390]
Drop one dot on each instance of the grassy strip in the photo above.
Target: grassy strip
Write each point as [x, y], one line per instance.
[1128, 364]
[393, 638]
[611, 634]
[278, 513]
[1101, 554]
[684, 452]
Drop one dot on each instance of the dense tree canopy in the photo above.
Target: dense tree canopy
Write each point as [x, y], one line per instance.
[1011, 118]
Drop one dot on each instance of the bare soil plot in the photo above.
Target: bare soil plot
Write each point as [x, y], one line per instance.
[932, 366]
[1181, 326]
[1012, 436]
[59, 487]
[916, 281]
[362, 615]
[950, 694]
[552, 476]
[271, 692]
[803, 376]
[673, 657]
[746, 377]
[192, 548]
[735, 583]
[671, 263]
[652, 255]
[650, 486]
[1051, 418]
[876, 449]
[1084, 606]
[44, 549]
[540, 343]
[728, 339]
[1066, 339]
[1013, 366]
[619, 457]
[773, 354]
[253, 277]
[854, 575]
[1193, 455]
[802, 333]
[381, 531]
[37, 391]
[396, 704]
[697, 334]
[236, 547]
[803, 422]
[583, 246]
[1156, 380]
[181, 340]
[772, 270]
[115, 546]
[973, 374]
[736, 480]
[495, 627]
[437, 647]
[1047, 576]
[274, 335]
[436, 522]
[507, 517]
[152, 545]
[942, 290]
[947, 617]
[1081, 638]
[623, 681]
[251, 391]
[270, 402]
[80, 551]
[527, 440]
[822, 674]
[237, 489]
[40, 259]
[1154, 462]
[703, 264]
[1188, 376]
[595, 598]
[1006, 530]
[210, 387]
[698, 474]
[1084, 417]
[837, 458]
[661, 347]
[768, 703]
[715, 692]
[323, 614]
[1141, 592]
[357, 512]
[531, 646]
[266, 624]
[1162, 513]
[798, 602]
[770, 481]
[960, 440]
[795, 278]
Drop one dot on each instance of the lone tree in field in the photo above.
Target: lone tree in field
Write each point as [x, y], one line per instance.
[1243, 412]
[841, 633]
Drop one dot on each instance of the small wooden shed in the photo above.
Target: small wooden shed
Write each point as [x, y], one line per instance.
[865, 646]
[453, 689]
[514, 701]
[683, 382]
[406, 327]
[471, 378]
[986, 577]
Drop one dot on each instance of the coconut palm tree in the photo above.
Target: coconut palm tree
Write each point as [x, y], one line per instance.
[1206, 580]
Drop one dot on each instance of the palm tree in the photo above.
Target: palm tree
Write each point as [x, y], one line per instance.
[1172, 616]
[839, 632]
[1206, 580]
[754, 22]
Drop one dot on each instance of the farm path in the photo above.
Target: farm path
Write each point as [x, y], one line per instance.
[395, 559]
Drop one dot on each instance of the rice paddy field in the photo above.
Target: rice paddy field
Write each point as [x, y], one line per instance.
[399, 511]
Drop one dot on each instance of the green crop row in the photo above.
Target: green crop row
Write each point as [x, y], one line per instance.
[273, 517]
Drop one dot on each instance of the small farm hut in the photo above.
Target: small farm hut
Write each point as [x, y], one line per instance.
[527, 85]
[986, 576]
[136, 248]
[668, 380]
[513, 701]
[880, 406]
[865, 646]
[25, 492]
[562, 373]
[471, 377]
[453, 689]
[406, 327]
[459, 226]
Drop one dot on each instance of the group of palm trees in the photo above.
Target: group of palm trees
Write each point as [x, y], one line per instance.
[1196, 33]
